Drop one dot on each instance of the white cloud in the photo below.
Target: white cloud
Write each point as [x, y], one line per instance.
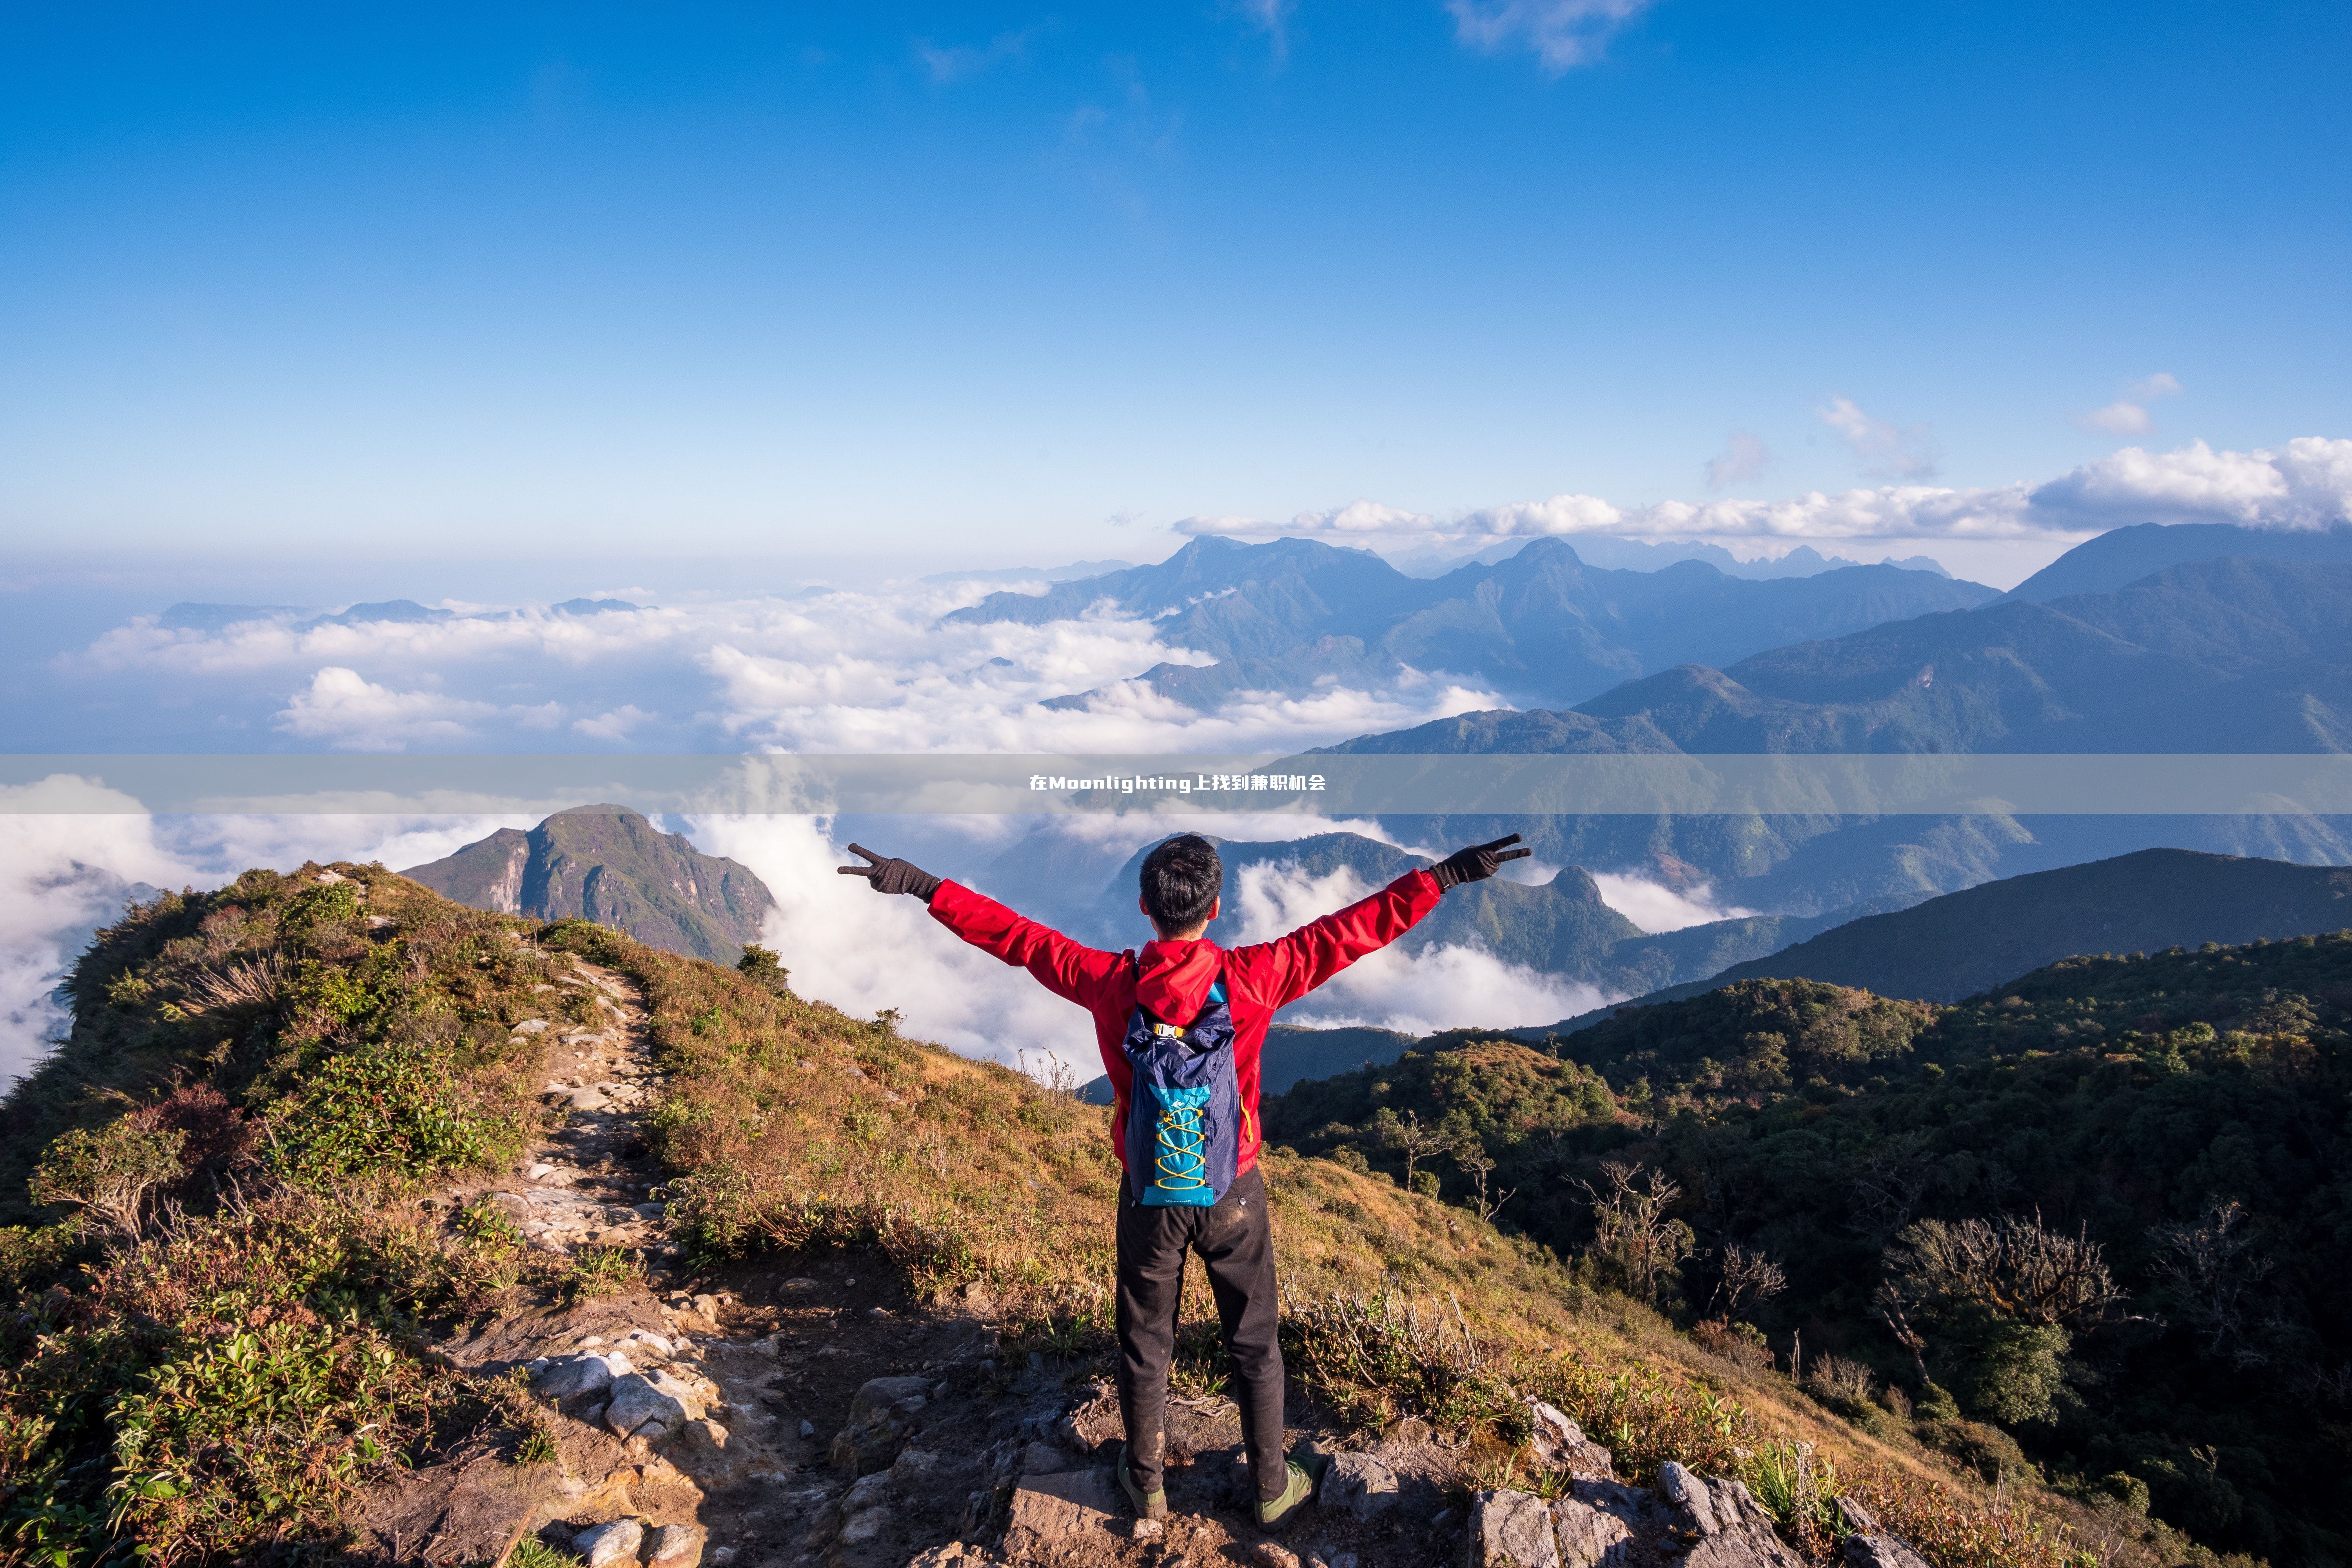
[957, 62]
[863, 952]
[1443, 987]
[831, 672]
[2117, 419]
[1271, 18]
[1743, 458]
[615, 726]
[1884, 450]
[2306, 483]
[1560, 34]
[2129, 415]
[1655, 907]
[352, 713]
[70, 850]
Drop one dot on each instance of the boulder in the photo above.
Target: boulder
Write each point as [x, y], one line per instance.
[677, 1546]
[1049, 1512]
[1360, 1484]
[867, 1493]
[569, 1379]
[1511, 1530]
[1867, 1546]
[637, 1404]
[1561, 1442]
[1590, 1537]
[610, 1543]
[1733, 1529]
[881, 1414]
[914, 1467]
[703, 1437]
[867, 1525]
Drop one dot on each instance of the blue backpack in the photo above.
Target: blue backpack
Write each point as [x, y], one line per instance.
[1184, 1106]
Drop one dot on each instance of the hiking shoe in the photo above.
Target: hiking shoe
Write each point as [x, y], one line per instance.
[1146, 1505]
[1298, 1490]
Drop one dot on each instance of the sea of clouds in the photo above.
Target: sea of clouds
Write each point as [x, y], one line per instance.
[877, 671]
[63, 873]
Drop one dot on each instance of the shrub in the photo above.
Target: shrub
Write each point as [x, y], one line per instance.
[1742, 1345]
[1841, 1379]
[396, 1112]
[109, 1172]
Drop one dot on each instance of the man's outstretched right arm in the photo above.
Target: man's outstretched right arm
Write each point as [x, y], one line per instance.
[1069, 969]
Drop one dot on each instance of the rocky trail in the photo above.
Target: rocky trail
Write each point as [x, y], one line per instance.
[788, 1413]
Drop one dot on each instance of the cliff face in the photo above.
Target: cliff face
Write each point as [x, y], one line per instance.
[612, 865]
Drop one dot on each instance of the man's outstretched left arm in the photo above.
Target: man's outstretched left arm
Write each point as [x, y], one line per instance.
[1288, 968]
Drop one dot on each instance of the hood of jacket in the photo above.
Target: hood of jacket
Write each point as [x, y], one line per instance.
[1172, 978]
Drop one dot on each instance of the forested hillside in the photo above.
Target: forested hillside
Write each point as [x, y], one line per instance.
[2087, 1226]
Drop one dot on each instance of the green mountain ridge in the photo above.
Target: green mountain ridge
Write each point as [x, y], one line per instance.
[2160, 1142]
[613, 866]
[1965, 944]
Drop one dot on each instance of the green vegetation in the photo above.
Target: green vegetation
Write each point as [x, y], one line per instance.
[2081, 1230]
[210, 1344]
[224, 1269]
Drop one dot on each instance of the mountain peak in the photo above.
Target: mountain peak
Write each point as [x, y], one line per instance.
[613, 866]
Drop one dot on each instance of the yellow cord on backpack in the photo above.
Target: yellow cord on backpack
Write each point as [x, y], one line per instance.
[1183, 1160]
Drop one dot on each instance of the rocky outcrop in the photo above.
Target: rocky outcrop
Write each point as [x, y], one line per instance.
[1703, 1523]
[1596, 1523]
[1733, 1530]
[1512, 1530]
[610, 865]
[1561, 1443]
[1868, 1546]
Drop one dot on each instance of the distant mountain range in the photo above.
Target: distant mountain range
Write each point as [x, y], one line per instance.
[1540, 626]
[2124, 555]
[218, 618]
[612, 865]
[2231, 654]
[1650, 555]
[1032, 573]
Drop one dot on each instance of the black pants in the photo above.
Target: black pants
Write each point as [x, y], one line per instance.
[1236, 1244]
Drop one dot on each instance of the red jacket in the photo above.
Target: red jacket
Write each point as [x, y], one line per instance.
[1172, 978]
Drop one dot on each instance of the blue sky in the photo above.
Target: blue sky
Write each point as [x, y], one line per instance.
[435, 283]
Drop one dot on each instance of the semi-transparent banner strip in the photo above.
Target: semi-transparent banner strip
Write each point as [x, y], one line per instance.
[1318, 785]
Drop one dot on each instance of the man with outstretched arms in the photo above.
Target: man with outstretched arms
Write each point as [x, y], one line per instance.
[1181, 1023]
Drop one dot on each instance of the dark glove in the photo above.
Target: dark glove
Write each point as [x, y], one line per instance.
[891, 876]
[1475, 864]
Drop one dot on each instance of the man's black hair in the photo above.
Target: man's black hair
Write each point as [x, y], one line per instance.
[1182, 878]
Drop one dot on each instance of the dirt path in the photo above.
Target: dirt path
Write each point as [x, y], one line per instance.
[793, 1412]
